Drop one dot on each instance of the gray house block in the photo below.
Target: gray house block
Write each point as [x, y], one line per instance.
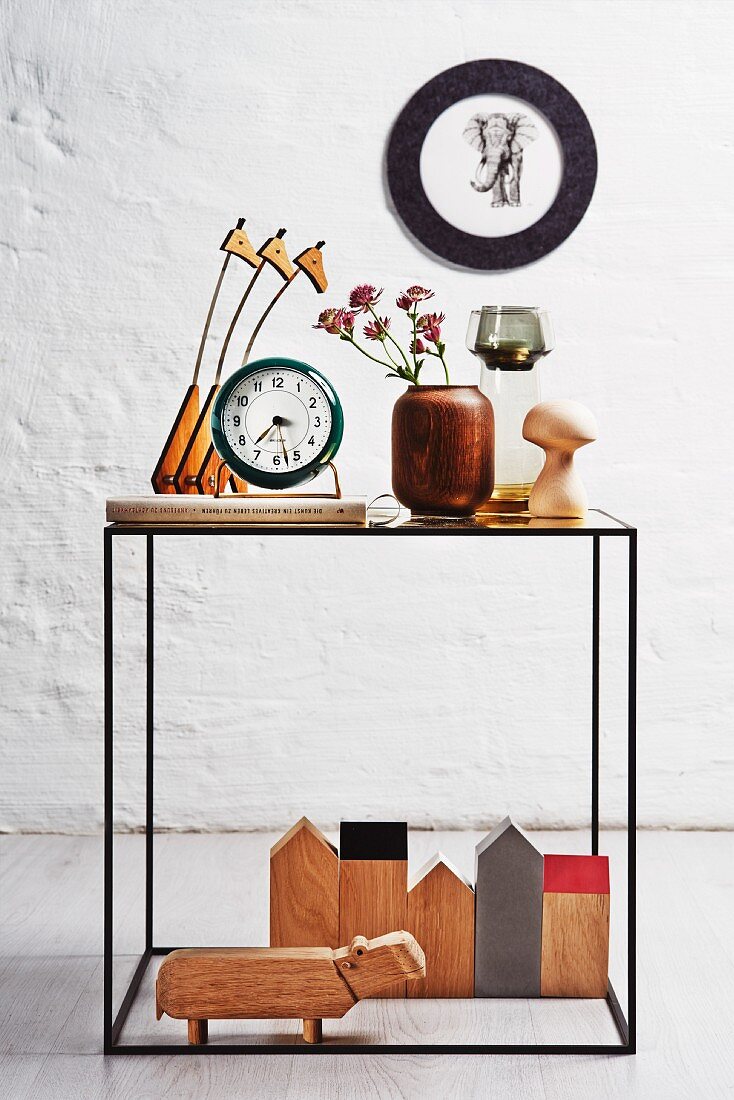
[509, 914]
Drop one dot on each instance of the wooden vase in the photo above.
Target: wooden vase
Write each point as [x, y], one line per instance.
[442, 450]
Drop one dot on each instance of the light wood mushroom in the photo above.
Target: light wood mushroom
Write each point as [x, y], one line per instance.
[560, 428]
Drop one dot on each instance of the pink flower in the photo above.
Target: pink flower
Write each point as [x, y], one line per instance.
[336, 321]
[329, 321]
[364, 296]
[417, 347]
[377, 330]
[430, 325]
[347, 319]
[403, 302]
[418, 293]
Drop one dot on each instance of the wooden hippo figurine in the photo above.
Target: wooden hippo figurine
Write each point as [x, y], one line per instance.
[281, 983]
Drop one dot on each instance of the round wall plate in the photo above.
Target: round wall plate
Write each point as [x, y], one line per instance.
[491, 164]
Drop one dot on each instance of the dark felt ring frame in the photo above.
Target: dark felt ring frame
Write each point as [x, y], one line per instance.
[538, 90]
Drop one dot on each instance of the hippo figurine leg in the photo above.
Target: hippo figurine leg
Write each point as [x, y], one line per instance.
[309, 984]
[198, 1031]
[312, 1031]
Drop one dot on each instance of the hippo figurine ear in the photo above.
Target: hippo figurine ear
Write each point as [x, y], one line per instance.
[371, 966]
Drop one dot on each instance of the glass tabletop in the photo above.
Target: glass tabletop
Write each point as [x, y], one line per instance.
[596, 522]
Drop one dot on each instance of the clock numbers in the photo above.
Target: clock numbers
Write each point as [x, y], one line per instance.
[277, 420]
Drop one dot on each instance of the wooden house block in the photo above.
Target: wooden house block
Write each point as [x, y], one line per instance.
[304, 889]
[274, 252]
[311, 263]
[441, 917]
[373, 882]
[575, 955]
[508, 915]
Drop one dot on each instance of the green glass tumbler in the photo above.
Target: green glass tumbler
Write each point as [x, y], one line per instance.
[510, 341]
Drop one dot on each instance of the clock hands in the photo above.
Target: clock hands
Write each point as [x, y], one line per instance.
[282, 443]
[277, 421]
[267, 431]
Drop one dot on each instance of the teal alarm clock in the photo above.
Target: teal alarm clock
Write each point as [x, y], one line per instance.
[277, 422]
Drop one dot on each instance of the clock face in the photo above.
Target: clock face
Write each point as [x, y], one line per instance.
[276, 422]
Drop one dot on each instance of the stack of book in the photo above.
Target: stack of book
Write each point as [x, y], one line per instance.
[259, 510]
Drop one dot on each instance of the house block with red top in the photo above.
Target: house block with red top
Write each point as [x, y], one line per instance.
[575, 940]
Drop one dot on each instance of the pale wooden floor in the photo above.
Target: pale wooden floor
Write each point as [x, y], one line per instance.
[213, 889]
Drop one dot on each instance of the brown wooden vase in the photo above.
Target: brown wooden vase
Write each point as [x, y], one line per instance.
[442, 450]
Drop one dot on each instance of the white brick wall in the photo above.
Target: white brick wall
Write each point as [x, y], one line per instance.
[441, 681]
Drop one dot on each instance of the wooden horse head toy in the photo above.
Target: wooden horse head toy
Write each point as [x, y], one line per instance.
[179, 461]
[188, 462]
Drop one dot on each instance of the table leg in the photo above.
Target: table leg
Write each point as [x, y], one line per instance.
[108, 791]
[632, 793]
[595, 697]
[149, 740]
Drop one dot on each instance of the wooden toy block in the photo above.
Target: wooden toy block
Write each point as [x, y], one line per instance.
[311, 263]
[508, 915]
[238, 243]
[307, 983]
[575, 953]
[304, 889]
[274, 252]
[560, 428]
[164, 475]
[441, 917]
[373, 881]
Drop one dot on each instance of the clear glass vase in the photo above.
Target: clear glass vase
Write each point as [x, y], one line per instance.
[510, 341]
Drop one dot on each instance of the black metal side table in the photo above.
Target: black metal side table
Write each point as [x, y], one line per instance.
[599, 525]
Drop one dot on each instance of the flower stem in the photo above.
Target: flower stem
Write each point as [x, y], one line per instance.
[387, 353]
[414, 318]
[372, 357]
[445, 368]
[392, 338]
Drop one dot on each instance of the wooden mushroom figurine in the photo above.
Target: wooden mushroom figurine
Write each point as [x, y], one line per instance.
[277, 983]
[560, 428]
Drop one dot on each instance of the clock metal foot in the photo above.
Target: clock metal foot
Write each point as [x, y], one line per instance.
[336, 495]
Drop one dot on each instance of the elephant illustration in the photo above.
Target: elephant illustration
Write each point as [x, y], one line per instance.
[500, 139]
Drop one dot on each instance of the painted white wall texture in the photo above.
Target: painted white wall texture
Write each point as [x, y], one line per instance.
[441, 681]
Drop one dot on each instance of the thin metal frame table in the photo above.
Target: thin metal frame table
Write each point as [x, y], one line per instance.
[597, 526]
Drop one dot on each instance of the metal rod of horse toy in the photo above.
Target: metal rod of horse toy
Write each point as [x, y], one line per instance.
[233, 323]
[278, 296]
[210, 314]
